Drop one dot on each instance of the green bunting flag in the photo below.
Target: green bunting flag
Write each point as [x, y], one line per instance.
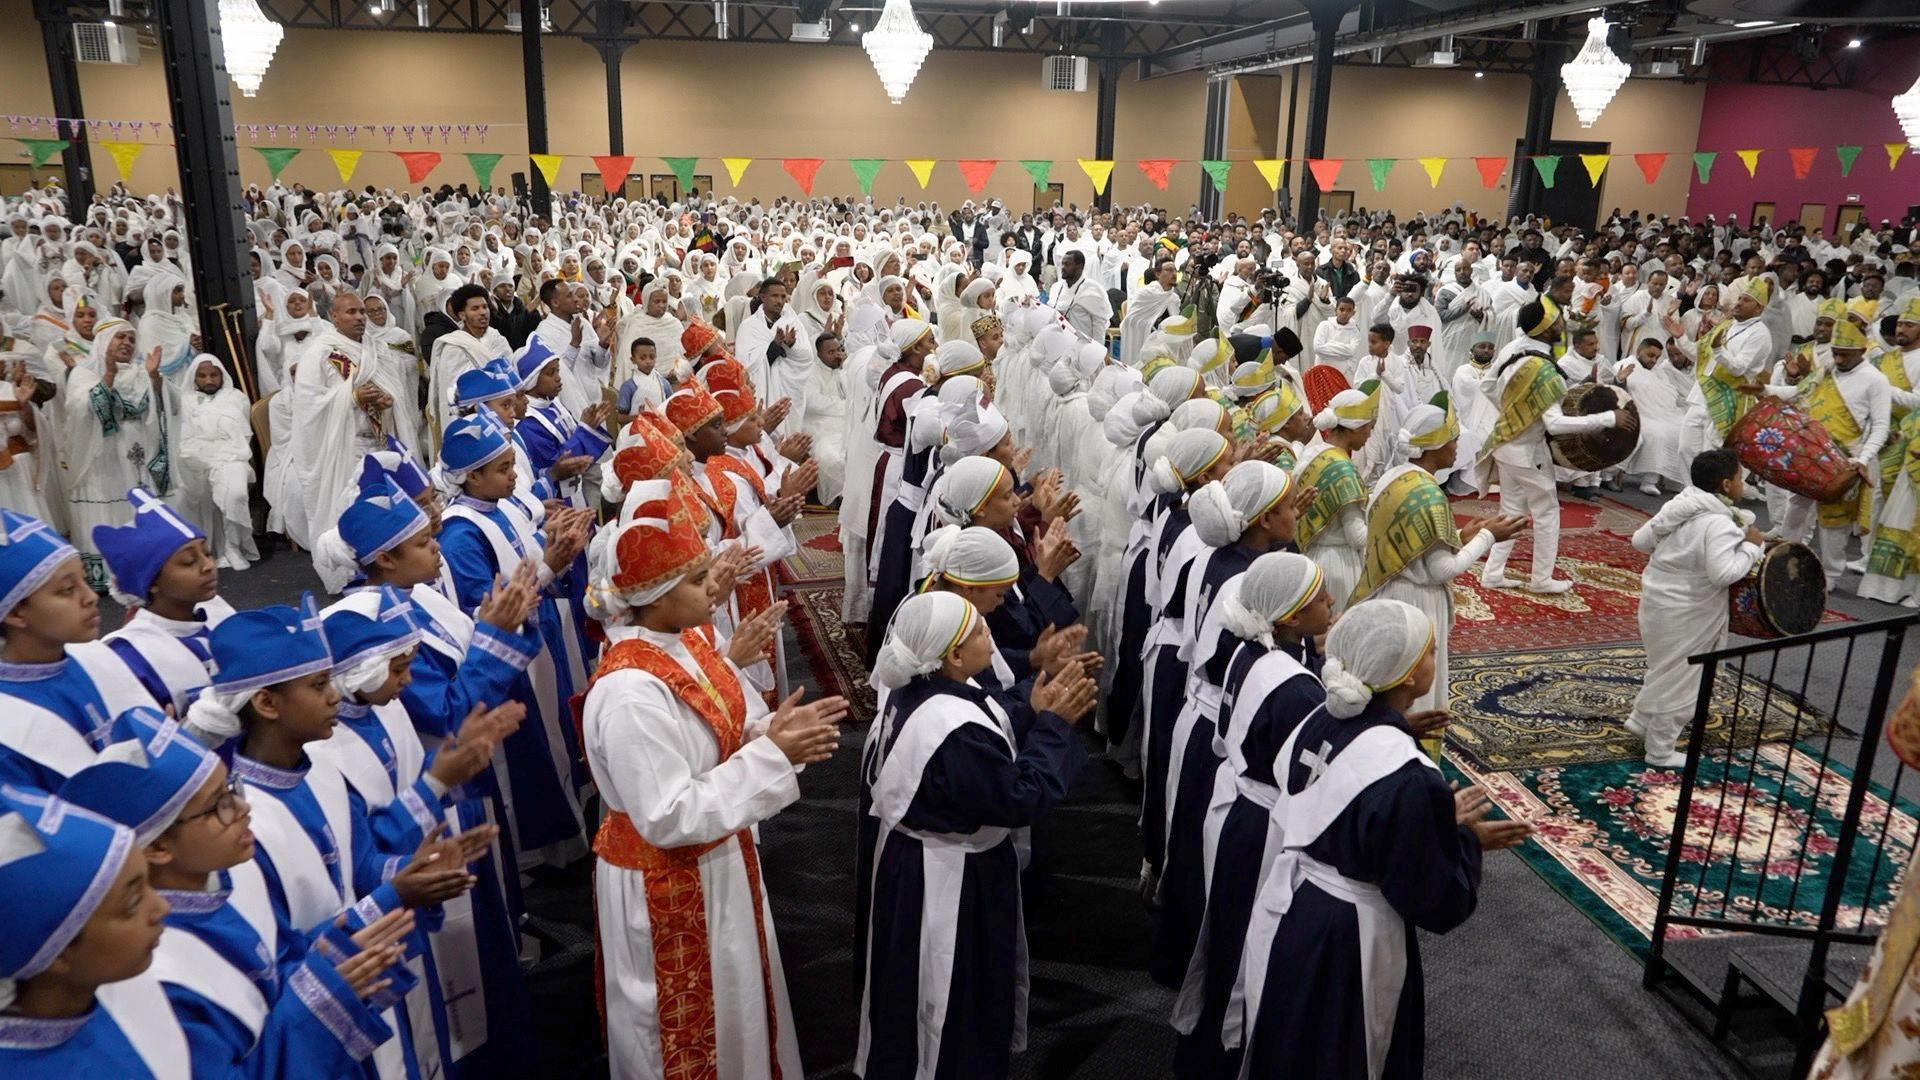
[1846, 155]
[277, 157]
[44, 149]
[1041, 171]
[1380, 167]
[864, 170]
[483, 168]
[1547, 165]
[1217, 171]
[1703, 164]
[683, 170]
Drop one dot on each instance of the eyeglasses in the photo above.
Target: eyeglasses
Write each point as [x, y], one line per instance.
[225, 809]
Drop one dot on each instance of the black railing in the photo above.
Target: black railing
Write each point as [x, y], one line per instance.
[1759, 869]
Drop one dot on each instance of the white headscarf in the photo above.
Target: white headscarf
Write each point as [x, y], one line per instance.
[969, 556]
[964, 487]
[1373, 648]
[1273, 589]
[1222, 510]
[1189, 454]
[924, 630]
[1327, 420]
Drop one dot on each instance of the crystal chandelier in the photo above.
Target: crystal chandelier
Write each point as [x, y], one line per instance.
[897, 47]
[1907, 108]
[1594, 75]
[250, 39]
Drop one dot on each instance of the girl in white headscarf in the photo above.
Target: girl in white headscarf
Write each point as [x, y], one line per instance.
[1373, 845]
[112, 401]
[216, 460]
[1268, 618]
[1333, 530]
[168, 325]
[282, 338]
[948, 781]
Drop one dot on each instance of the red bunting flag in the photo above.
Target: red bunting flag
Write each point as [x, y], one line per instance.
[1326, 171]
[1490, 170]
[977, 172]
[613, 170]
[418, 162]
[1650, 165]
[803, 170]
[1802, 157]
[1158, 170]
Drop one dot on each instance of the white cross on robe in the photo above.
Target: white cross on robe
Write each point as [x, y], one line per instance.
[1317, 761]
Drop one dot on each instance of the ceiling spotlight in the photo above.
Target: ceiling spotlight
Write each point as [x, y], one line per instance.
[854, 26]
[1479, 74]
[1854, 43]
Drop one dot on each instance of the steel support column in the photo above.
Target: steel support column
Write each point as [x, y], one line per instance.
[1106, 110]
[63, 73]
[1283, 198]
[610, 20]
[1214, 142]
[1326, 24]
[1523, 187]
[534, 69]
[209, 164]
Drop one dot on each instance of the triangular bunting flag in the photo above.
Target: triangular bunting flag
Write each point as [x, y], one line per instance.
[1326, 172]
[1158, 170]
[1270, 170]
[418, 162]
[1751, 159]
[344, 162]
[1434, 166]
[1650, 165]
[683, 170]
[277, 158]
[1548, 166]
[1846, 154]
[1596, 166]
[44, 149]
[1380, 167]
[1041, 171]
[1490, 170]
[614, 169]
[922, 170]
[549, 166]
[1218, 171]
[1703, 164]
[864, 170]
[1802, 157]
[977, 172]
[125, 154]
[803, 170]
[736, 168]
[483, 168]
[1098, 172]
[1894, 150]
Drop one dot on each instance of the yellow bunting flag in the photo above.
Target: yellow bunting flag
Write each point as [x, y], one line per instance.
[922, 170]
[1098, 172]
[1269, 170]
[1894, 150]
[345, 161]
[549, 165]
[736, 168]
[124, 155]
[1434, 166]
[1751, 159]
[1596, 165]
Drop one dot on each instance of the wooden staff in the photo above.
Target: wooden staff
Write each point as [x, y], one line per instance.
[235, 357]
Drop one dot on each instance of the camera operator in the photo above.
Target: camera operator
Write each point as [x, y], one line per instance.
[1245, 297]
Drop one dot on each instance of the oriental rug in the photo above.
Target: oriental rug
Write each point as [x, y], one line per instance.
[831, 649]
[1602, 833]
[819, 559]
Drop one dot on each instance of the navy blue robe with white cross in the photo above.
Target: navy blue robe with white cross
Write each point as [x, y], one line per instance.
[1160, 710]
[1398, 834]
[893, 571]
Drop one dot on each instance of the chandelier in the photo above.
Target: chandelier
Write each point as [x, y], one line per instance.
[1907, 108]
[1594, 75]
[897, 46]
[250, 39]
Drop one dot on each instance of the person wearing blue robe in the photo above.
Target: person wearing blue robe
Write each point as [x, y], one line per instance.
[73, 885]
[483, 542]
[396, 466]
[60, 688]
[1267, 667]
[1234, 521]
[161, 569]
[217, 958]
[951, 785]
[1373, 846]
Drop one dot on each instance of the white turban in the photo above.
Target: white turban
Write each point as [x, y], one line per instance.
[953, 356]
[1422, 420]
[1203, 413]
[901, 335]
[1327, 420]
[1222, 510]
[1113, 383]
[1374, 647]
[974, 429]
[1122, 426]
[1189, 454]
[964, 488]
[1174, 385]
[1273, 590]
[925, 628]
[969, 556]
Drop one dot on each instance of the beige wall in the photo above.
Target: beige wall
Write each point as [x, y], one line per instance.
[773, 101]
